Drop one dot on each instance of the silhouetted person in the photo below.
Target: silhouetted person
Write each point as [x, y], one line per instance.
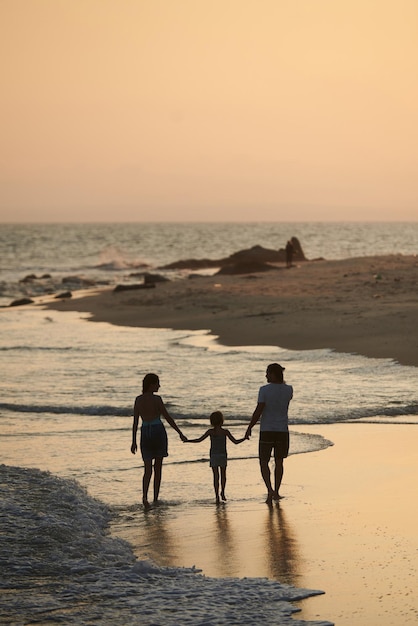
[154, 444]
[218, 454]
[272, 408]
[290, 250]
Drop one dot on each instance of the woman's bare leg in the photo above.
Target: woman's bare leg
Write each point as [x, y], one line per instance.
[145, 482]
[158, 466]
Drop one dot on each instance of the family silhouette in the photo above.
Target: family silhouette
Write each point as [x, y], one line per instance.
[271, 410]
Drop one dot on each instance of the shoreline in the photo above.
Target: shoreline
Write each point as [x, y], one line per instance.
[367, 306]
[346, 526]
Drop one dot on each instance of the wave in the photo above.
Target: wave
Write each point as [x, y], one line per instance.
[113, 259]
[66, 409]
[23, 348]
[195, 420]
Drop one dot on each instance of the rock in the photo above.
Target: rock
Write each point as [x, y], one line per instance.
[256, 254]
[78, 280]
[192, 264]
[132, 287]
[245, 267]
[28, 279]
[64, 294]
[154, 278]
[21, 301]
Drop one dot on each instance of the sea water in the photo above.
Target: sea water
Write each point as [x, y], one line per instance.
[68, 387]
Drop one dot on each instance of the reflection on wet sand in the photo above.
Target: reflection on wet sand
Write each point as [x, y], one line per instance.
[157, 542]
[282, 549]
[226, 546]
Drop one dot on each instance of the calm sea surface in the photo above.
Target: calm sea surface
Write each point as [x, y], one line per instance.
[66, 408]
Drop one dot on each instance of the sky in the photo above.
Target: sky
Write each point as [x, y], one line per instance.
[208, 110]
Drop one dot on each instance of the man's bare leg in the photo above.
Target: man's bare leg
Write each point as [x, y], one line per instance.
[278, 475]
[265, 473]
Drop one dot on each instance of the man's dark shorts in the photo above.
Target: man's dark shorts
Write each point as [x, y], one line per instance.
[269, 441]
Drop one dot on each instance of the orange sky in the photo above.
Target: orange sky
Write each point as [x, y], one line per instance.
[288, 110]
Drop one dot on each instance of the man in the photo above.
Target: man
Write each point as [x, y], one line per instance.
[289, 253]
[272, 408]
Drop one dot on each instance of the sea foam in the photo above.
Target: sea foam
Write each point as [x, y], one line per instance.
[60, 564]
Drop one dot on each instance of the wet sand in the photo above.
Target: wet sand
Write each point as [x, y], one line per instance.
[346, 526]
[367, 306]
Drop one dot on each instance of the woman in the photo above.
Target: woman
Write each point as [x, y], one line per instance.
[154, 445]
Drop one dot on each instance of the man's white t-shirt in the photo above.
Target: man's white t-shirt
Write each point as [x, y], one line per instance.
[276, 398]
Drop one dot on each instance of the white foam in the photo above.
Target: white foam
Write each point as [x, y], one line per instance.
[59, 563]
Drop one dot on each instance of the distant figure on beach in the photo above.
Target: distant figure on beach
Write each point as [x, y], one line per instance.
[153, 443]
[218, 454]
[272, 408]
[289, 253]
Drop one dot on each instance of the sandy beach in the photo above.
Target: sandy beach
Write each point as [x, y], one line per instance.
[347, 524]
[366, 305]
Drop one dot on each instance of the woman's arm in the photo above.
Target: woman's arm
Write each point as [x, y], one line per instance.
[134, 445]
[256, 416]
[171, 421]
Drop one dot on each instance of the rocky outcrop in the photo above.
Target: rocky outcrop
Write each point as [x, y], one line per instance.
[241, 262]
[245, 267]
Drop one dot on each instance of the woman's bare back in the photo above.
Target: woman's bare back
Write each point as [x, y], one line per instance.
[148, 406]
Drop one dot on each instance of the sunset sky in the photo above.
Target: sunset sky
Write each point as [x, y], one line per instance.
[209, 110]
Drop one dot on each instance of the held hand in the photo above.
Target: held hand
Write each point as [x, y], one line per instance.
[134, 448]
[183, 437]
[248, 433]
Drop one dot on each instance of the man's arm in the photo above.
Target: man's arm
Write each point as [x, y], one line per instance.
[256, 416]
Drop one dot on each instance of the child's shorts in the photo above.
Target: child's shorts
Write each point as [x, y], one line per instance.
[218, 460]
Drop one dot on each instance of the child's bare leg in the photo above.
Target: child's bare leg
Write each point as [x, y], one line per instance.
[223, 482]
[216, 482]
[146, 481]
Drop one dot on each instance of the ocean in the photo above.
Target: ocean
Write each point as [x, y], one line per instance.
[70, 486]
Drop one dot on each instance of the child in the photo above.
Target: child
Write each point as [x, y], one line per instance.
[218, 455]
